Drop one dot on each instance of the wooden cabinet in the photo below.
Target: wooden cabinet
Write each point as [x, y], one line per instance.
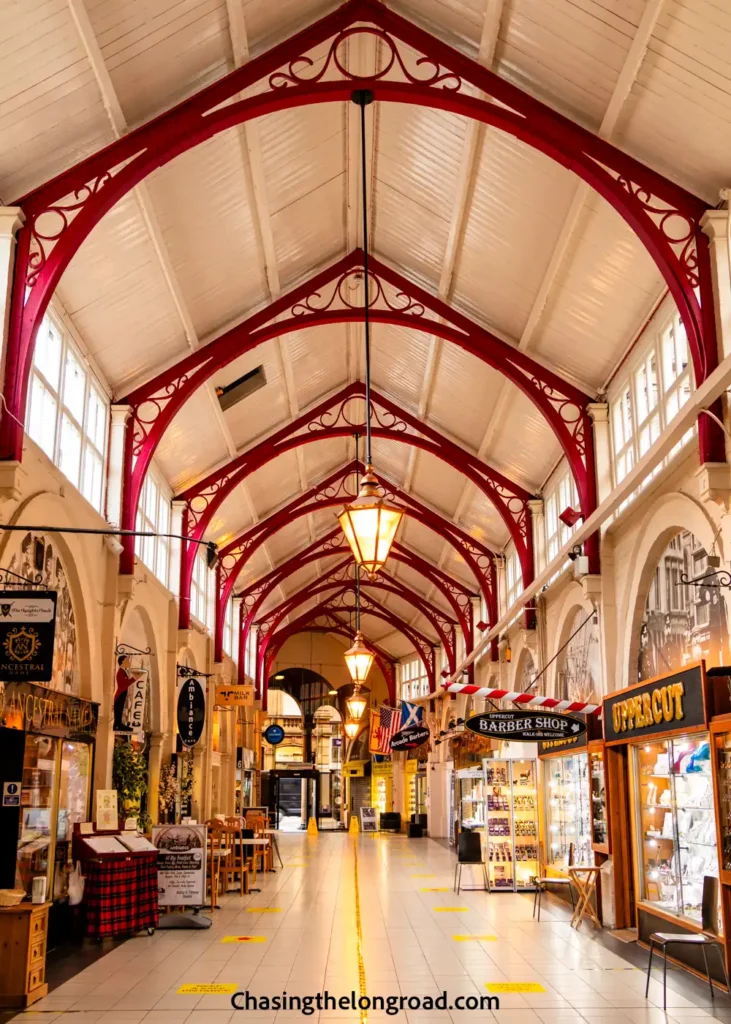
[23, 935]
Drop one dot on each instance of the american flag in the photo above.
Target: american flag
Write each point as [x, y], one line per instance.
[384, 725]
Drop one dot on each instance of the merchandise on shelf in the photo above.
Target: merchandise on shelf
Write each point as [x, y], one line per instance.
[676, 824]
[568, 815]
[471, 797]
[600, 835]
[512, 826]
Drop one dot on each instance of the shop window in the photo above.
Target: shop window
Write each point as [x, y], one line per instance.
[681, 623]
[657, 385]
[68, 412]
[154, 517]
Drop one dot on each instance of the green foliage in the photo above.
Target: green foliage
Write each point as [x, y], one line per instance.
[129, 777]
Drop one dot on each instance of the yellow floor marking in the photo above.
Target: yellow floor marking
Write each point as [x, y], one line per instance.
[434, 890]
[452, 910]
[206, 990]
[359, 932]
[244, 938]
[263, 910]
[475, 938]
[422, 876]
[514, 986]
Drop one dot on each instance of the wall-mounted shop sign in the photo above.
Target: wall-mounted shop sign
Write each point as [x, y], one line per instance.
[191, 709]
[568, 745]
[526, 725]
[235, 695]
[672, 702]
[37, 709]
[27, 635]
[409, 739]
[354, 769]
[273, 734]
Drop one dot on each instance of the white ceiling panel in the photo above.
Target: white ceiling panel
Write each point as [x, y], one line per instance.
[477, 384]
[400, 360]
[291, 538]
[310, 231]
[518, 207]
[523, 446]
[604, 294]
[213, 247]
[193, 444]
[159, 51]
[115, 292]
[482, 521]
[319, 362]
[232, 519]
[321, 458]
[421, 539]
[587, 41]
[391, 459]
[51, 110]
[678, 115]
[274, 484]
[437, 484]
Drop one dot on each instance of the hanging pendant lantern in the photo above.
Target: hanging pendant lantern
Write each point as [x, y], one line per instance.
[370, 522]
[359, 660]
[351, 729]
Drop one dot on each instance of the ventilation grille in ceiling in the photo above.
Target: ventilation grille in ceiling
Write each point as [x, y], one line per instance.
[239, 389]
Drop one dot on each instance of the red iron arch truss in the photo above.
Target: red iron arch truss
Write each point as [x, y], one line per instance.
[337, 488]
[458, 596]
[336, 417]
[415, 68]
[340, 578]
[322, 620]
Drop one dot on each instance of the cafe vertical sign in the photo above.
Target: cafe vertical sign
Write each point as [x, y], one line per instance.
[27, 635]
[191, 710]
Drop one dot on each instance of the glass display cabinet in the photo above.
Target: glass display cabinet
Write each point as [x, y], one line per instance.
[512, 825]
[722, 743]
[471, 798]
[675, 822]
[599, 823]
[568, 813]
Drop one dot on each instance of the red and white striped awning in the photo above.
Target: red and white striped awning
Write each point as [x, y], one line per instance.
[532, 700]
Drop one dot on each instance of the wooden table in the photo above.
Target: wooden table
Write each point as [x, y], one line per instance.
[585, 879]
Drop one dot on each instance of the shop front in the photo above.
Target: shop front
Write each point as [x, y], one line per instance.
[46, 765]
[566, 804]
[512, 824]
[415, 786]
[382, 787]
[666, 763]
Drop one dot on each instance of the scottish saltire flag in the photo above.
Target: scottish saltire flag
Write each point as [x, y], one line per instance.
[411, 714]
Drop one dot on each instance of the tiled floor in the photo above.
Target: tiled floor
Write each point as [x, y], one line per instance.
[408, 947]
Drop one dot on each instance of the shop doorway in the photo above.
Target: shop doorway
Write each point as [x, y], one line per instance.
[295, 798]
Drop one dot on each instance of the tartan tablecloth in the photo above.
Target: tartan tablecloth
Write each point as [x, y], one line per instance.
[120, 896]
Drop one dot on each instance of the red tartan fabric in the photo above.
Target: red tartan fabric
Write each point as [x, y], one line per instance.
[120, 896]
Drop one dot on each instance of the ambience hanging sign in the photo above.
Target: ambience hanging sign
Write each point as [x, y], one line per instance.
[27, 635]
[191, 714]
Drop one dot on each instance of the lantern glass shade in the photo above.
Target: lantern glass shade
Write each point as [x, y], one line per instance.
[351, 729]
[356, 705]
[370, 524]
[359, 660]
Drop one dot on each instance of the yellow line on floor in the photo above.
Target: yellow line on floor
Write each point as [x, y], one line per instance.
[359, 931]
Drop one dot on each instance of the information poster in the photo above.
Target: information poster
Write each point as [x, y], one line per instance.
[27, 635]
[181, 865]
[107, 816]
[368, 819]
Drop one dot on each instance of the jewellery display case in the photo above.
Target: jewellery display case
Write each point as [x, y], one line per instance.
[568, 812]
[598, 795]
[676, 822]
[512, 824]
[470, 799]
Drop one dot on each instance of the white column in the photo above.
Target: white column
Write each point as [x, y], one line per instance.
[715, 223]
[11, 220]
[118, 427]
[539, 533]
[599, 412]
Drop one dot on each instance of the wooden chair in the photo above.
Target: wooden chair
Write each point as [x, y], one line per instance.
[258, 823]
[216, 854]
[542, 880]
[234, 861]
